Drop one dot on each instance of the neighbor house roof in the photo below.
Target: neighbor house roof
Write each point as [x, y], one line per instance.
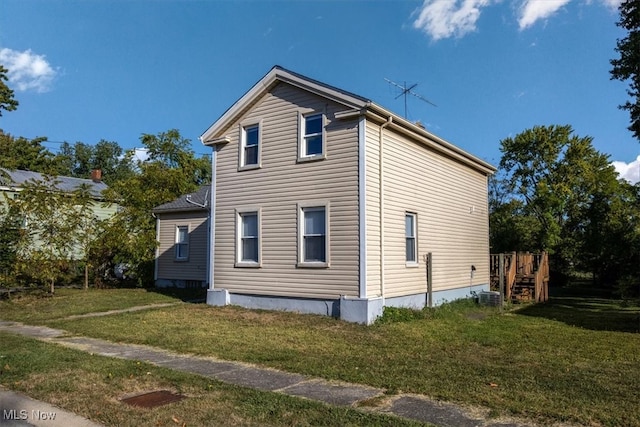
[357, 105]
[196, 201]
[15, 179]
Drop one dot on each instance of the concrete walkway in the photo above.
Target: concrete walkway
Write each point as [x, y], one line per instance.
[413, 407]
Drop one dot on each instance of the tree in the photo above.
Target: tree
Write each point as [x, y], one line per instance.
[627, 66]
[58, 227]
[7, 102]
[564, 197]
[171, 170]
[26, 154]
[79, 159]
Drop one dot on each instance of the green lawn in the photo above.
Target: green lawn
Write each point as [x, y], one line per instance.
[92, 386]
[574, 359]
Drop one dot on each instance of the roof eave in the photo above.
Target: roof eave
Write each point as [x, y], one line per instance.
[375, 111]
[278, 74]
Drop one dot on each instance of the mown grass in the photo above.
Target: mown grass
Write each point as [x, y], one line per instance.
[39, 308]
[551, 363]
[92, 386]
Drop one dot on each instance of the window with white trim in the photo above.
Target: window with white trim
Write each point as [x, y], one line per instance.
[410, 238]
[312, 137]
[250, 146]
[248, 238]
[314, 242]
[182, 243]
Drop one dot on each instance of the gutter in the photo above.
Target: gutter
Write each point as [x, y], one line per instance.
[432, 141]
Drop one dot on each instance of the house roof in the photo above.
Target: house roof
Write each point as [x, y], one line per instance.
[188, 202]
[358, 105]
[15, 179]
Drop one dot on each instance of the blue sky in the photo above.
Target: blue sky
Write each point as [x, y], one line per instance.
[92, 70]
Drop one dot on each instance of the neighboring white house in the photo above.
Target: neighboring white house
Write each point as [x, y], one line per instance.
[325, 202]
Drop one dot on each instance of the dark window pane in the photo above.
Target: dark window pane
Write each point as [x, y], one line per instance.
[249, 249]
[314, 145]
[314, 221]
[315, 249]
[408, 226]
[249, 225]
[251, 155]
[411, 249]
[251, 137]
[313, 124]
[182, 251]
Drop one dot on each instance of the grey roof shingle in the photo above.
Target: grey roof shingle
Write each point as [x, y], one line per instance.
[16, 178]
[199, 201]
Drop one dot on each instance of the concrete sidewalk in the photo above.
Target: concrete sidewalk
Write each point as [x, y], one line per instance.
[415, 407]
[18, 410]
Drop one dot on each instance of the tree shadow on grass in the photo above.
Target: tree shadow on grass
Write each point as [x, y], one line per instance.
[598, 314]
[192, 295]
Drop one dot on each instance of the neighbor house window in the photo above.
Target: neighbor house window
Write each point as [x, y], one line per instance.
[182, 243]
[314, 243]
[410, 238]
[250, 146]
[312, 137]
[248, 232]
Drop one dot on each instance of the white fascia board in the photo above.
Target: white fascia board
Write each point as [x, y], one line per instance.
[278, 74]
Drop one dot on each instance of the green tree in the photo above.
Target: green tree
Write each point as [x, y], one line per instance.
[26, 154]
[564, 197]
[171, 170]
[627, 66]
[7, 101]
[79, 159]
[58, 227]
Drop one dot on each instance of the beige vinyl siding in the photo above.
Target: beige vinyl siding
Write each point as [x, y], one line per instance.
[372, 174]
[277, 188]
[450, 200]
[195, 268]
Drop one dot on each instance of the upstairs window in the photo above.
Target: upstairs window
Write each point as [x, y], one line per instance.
[312, 137]
[182, 243]
[250, 146]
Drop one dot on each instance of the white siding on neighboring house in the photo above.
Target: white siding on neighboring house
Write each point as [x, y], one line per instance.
[277, 188]
[194, 268]
[449, 200]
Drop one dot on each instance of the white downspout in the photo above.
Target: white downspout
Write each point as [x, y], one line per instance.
[212, 220]
[381, 197]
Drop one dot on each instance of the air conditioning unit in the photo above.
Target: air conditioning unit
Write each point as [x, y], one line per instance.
[490, 298]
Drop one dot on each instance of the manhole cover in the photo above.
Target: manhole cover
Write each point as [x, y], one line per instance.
[153, 399]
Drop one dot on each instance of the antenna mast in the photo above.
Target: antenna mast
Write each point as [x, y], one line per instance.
[408, 90]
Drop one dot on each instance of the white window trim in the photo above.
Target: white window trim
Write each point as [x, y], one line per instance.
[238, 262]
[302, 157]
[241, 145]
[414, 263]
[176, 243]
[314, 264]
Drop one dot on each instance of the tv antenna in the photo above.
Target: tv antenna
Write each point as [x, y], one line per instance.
[408, 90]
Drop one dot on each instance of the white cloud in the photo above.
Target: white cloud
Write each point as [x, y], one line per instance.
[447, 18]
[628, 171]
[613, 4]
[27, 70]
[534, 10]
[441, 19]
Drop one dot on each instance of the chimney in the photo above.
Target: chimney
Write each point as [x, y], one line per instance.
[96, 175]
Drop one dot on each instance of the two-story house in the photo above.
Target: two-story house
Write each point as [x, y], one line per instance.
[324, 202]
